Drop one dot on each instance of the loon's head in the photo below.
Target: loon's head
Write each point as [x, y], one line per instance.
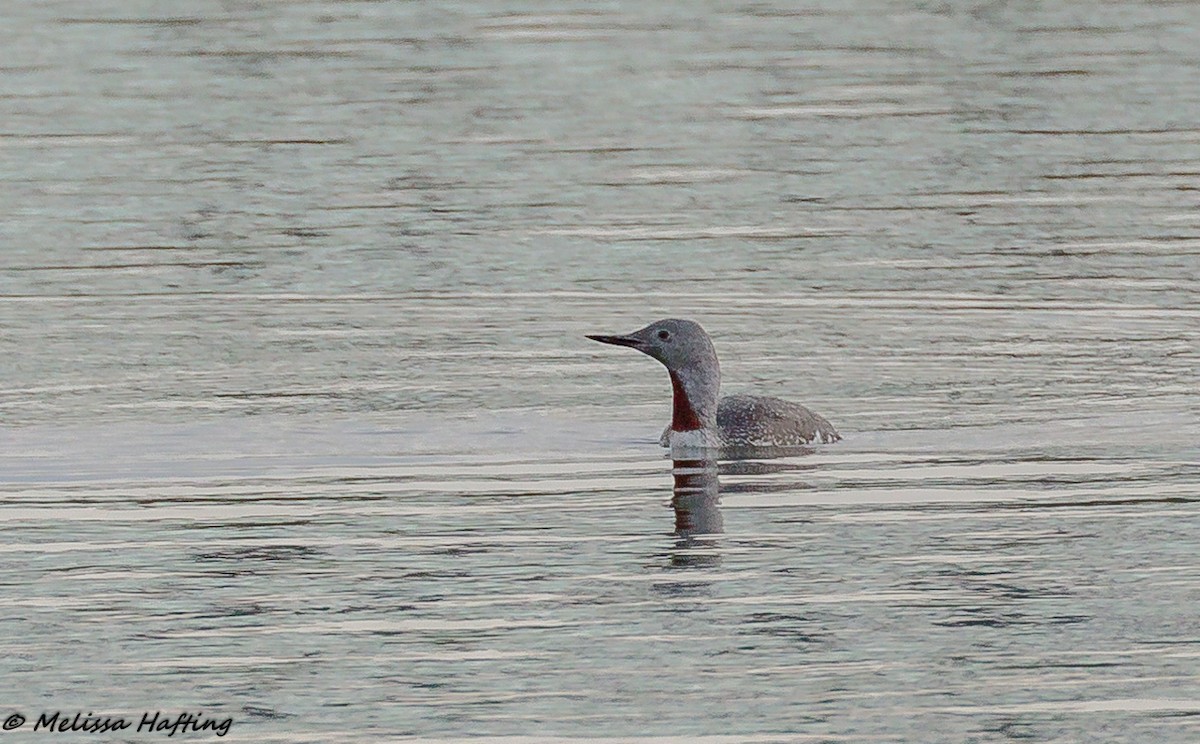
[679, 344]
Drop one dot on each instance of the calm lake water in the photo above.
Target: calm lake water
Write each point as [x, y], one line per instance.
[298, 426]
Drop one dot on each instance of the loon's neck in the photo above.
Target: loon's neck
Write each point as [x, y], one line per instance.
[695, 399]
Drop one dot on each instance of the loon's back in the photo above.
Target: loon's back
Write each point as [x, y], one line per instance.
[763, 421]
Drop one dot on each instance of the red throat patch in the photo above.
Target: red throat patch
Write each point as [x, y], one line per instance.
[684, 417]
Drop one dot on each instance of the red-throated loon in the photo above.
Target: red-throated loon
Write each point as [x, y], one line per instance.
[701, 418]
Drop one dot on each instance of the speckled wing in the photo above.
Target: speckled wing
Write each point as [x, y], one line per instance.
[759, 421]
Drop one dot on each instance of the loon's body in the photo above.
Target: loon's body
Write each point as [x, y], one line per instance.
[701, 418]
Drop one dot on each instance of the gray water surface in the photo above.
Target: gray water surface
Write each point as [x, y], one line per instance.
[298, 425]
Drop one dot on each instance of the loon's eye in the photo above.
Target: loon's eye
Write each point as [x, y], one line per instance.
[664, 335]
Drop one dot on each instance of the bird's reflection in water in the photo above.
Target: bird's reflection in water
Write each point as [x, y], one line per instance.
[697, 491]
[696, 499]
